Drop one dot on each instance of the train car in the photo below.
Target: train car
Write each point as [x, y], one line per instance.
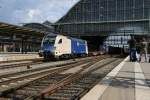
[59, 46]
[117, 43]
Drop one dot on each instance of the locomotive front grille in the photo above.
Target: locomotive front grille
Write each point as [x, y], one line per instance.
[48, 54]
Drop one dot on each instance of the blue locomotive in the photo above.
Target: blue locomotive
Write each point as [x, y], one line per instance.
[59, 46]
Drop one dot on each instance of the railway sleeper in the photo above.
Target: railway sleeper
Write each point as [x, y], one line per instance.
[45, 82]
[86, 81]
[68, 95]
[89, 82]
[31, 89]
[26, 92]
[17, 97]
[58, 76]
[67, 91]
[71, 88]
[56, 98]
[80, 86]
[62, 95]
[40, 86]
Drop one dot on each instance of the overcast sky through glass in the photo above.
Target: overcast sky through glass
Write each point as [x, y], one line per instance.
[24, 11]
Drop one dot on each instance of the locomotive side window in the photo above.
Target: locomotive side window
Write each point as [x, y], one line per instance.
[60, 41]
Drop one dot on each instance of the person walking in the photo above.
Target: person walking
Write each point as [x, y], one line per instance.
[132, 47]
[143, 51]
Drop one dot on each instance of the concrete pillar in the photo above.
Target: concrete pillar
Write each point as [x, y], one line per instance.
[14, 44]
[22, 46]
[20, 49]
[5, 48]
[14, 36]
[2, 47]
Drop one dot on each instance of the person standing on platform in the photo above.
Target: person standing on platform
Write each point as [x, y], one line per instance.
[138, 49]
[144, 48]
[132, 47]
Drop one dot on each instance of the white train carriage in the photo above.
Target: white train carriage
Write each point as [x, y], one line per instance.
[118, 41]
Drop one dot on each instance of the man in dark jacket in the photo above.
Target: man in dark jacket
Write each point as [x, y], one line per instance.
[132, 47]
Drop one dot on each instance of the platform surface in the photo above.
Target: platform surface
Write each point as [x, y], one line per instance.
[127, 81]
[12, 57]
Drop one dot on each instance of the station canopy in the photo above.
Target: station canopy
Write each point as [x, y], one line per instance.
[14, 29]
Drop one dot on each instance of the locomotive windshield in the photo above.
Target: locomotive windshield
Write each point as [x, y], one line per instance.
[49, 40]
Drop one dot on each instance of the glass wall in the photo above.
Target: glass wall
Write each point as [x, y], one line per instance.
[98, 16]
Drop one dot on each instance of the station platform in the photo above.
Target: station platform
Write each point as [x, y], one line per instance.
[127, 81]
[17, 57]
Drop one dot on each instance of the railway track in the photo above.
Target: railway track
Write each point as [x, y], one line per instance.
[8, 76]
[24, 63]
[30, 79]
[78, 88]
[21, 63]
[79, 83]
[56, 84]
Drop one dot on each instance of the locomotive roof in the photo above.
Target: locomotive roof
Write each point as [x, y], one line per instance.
[80, 40]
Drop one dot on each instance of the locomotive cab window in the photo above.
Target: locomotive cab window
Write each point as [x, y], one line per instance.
[48, 40]
[60, 41]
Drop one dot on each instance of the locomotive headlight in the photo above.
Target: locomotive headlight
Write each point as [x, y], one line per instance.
[41, 51]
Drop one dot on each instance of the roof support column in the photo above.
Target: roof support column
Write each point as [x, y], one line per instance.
[23, 46]
[5, 48]
[13, 41]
